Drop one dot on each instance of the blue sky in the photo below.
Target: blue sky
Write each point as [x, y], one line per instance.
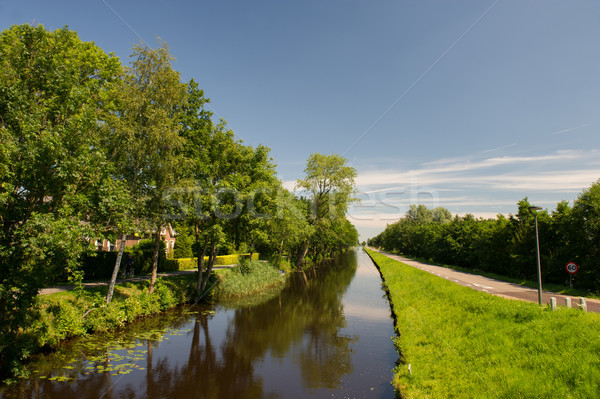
[471, 105]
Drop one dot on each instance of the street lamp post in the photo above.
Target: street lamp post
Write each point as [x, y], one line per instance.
[533, 210]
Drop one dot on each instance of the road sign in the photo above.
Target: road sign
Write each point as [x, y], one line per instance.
[572, 267]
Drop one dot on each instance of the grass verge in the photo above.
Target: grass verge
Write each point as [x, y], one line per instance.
[460, 342]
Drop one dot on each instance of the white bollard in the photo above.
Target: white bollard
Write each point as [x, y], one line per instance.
[582, 304]
[568, 303]
[552, 303]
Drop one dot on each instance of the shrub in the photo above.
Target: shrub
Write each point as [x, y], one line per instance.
[143, 254]
[99, 266]
[192, 263]
[248, 278]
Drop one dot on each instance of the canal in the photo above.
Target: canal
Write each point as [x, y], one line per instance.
[325, 335]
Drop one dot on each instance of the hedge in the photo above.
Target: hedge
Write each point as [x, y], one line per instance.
[101, 265]
[172, 265]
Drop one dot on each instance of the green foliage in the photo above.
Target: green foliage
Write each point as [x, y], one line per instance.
[330, 184]
[99, 265]
[52, 90]
[90, 149]
[185, 240]
[464, 343]
[65, 315]
[143, 254]
[248, 279]
[192, 263]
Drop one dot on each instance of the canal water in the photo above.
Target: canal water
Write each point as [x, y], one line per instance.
[325, 335]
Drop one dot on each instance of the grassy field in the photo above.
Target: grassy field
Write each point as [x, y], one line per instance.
[455, 342]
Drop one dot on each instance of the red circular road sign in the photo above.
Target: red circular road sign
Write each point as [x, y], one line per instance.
[572, 267]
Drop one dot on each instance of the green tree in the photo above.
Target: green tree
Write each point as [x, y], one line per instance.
[53, 89]
[289, 228]
[144, 135]
[330, 184]
[214, 168]
[586, 235]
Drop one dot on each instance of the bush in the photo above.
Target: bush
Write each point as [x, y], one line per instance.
[249, 278]
[143, 254]
[185, 240]
[99, 266]
[172, 265]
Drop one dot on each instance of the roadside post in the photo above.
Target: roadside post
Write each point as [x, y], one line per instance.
[572, 268]
[533, 210]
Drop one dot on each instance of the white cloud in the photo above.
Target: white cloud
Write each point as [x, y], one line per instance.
[289, 184]
[483, 187]
[517, 173]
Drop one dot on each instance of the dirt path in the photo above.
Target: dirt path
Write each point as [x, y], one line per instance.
[66, 287]
[494, 287]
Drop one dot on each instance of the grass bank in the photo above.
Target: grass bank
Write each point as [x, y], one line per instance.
[69, 314]
[456, 342]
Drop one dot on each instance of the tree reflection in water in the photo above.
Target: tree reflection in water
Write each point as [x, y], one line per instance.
[231, 354]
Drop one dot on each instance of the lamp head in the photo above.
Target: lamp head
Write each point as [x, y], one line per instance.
[532, 209]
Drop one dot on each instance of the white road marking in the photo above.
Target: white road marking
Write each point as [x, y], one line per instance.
[484, 287]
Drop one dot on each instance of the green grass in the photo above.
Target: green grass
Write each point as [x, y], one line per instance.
[249, 279]
[461, 343]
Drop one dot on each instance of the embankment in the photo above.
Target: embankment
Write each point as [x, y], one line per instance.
[457, 342]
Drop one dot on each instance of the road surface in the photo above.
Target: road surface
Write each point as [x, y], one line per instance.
[494, 287]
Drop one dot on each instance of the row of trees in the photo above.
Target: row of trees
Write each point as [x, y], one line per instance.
[90, 148]
[506, 245]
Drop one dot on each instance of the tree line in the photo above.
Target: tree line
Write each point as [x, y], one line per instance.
[91, 148]
[507, 245]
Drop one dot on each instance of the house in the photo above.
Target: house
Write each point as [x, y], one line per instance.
[167, 234]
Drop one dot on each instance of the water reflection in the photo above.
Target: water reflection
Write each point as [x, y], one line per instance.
[296, 344]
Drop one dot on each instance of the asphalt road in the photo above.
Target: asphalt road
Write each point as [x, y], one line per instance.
[494, 287]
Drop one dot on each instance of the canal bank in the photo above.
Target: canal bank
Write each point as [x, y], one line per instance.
[458, 342]
[327, 334]
[64, 313]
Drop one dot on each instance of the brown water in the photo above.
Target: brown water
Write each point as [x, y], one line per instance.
[326, 335]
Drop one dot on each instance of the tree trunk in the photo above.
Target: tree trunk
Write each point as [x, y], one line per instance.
[113, 279]
[155, 259]
[301, 254]
[211, 263]
[200, 262]
[279, 254]
[251, 249]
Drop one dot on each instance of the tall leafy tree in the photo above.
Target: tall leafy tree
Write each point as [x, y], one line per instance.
[53, 88]
[289, 228]
[213, 157]
[144, 135]
[330, 184]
